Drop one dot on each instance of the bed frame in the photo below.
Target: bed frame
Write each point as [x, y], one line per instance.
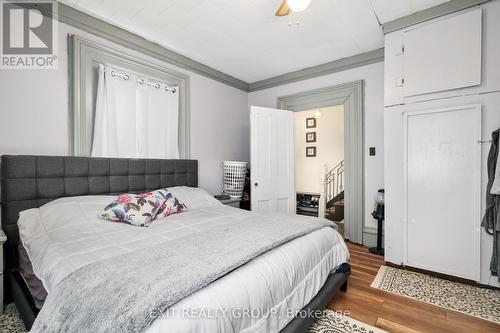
[32, 181]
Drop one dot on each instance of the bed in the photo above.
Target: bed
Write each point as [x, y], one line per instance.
[33, 181]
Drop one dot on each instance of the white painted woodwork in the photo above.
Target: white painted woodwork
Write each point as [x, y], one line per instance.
[393, 69]
[490, 60]
[443, 167]
[443, 55]
[487, 94]
[272, 160]
[393, 178]
[322, 192]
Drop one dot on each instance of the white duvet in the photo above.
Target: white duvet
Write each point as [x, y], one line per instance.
[67, 234]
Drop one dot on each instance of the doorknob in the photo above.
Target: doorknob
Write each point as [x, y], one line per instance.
[256, 184]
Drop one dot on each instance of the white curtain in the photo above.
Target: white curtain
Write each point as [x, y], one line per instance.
[158, 122]
[134, 119]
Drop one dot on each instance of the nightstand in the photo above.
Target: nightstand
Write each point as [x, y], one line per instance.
[233, 202]
[3, 238]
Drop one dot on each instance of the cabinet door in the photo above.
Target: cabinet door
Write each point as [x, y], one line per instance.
[443, 171]
[443, 55]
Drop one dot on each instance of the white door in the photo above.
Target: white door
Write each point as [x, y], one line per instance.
[443, 172]
[272, 160]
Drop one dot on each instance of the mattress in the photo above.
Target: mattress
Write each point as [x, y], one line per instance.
[261, 296]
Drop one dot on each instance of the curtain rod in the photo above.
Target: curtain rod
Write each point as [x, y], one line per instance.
[141, 81]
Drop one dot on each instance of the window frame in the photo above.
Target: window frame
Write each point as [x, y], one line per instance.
[84, 59]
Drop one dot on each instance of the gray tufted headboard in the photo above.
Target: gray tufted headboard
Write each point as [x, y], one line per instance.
[31, 181]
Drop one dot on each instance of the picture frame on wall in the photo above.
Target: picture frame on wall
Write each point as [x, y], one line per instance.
[311, 122]
[311, 151]
[310, 137]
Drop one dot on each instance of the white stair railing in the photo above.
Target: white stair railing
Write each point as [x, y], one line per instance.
[322, 194]
[334, 181]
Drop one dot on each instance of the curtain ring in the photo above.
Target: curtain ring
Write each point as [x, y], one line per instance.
[157, 86]
[126, 77]
[140, 81]
[113, 73]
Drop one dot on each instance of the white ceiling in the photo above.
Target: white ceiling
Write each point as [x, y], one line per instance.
[244, 39]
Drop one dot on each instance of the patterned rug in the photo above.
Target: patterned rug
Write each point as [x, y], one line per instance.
[331, 322]
[474, 301]
[10, 321]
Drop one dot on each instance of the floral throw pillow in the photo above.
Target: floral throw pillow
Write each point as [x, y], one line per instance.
[136, 209]
[170, 206]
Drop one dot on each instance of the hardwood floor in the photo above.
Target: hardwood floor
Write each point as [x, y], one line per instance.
[395, 313]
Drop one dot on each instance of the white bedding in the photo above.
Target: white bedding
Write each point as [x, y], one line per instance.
[66, 235]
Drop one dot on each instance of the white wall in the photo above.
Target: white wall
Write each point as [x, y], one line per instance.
[34, 114]
[329, 147]
[373, 75]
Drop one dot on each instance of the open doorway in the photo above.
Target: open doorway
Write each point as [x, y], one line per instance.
[350, 96]
[319, 163]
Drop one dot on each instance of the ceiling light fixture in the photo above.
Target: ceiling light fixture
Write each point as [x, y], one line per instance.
[298, 5]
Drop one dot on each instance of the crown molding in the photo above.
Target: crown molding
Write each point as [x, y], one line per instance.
[320, 70]
[100, 28]
[120, 36]
[429, 14]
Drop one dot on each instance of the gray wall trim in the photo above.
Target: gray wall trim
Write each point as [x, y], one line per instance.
[429, 14]
[84, 57]
[351, 95]
[98, 27]
[370, 230]
[320, 70]
[370, 237]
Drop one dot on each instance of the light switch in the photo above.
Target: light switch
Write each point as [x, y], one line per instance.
[372, 151]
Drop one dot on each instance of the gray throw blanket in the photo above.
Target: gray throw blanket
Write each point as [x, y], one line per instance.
[128, 292]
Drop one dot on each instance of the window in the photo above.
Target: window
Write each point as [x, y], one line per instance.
[135, 116]
[97, 95]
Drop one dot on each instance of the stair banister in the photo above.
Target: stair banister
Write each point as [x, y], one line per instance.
[322, 194]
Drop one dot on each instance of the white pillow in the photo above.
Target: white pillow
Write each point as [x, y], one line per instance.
[194, 197]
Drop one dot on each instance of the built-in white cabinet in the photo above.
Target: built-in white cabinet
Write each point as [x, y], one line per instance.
[442, 101]
[442, 180]
[443, 55]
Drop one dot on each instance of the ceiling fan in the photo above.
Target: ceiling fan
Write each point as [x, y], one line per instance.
[291, 5]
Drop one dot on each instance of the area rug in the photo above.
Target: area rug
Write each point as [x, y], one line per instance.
[474, 301]
[10, 321]
[330, 322]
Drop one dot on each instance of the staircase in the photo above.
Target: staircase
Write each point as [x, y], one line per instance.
[334, 193]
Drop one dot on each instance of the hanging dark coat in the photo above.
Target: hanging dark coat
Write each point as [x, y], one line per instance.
[491, 217]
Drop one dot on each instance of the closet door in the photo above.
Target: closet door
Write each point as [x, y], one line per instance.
[443, 159]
